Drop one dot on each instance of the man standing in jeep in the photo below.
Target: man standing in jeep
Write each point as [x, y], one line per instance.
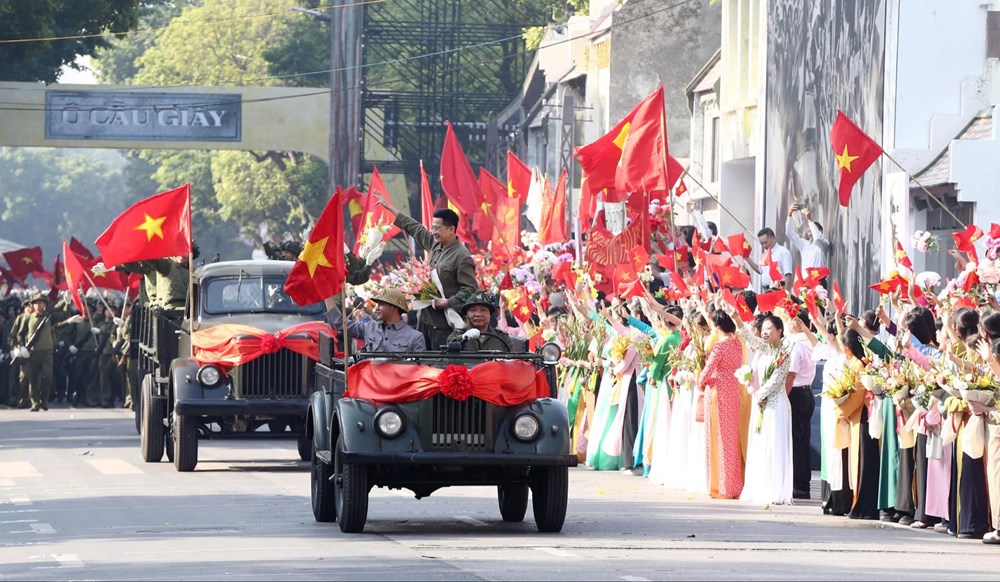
[387, 332]
[453, 263]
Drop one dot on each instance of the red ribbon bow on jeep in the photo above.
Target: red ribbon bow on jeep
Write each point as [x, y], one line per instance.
[230, 345]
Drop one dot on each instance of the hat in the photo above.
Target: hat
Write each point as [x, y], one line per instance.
[35, 298]
[480, 298]
[393, 297]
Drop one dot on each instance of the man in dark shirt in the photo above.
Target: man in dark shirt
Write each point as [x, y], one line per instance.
[453, 263]
[480, 309]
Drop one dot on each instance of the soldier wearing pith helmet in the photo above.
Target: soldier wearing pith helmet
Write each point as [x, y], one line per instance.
[480, 310]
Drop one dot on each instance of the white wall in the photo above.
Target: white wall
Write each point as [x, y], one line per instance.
[975, 168]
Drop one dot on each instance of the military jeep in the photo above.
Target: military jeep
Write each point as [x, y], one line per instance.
[376, 429]
[181, 401]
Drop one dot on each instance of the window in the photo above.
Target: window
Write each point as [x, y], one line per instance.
[252, 294]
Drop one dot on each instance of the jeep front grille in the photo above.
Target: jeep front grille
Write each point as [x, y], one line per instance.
[459, 426]
[277, 375]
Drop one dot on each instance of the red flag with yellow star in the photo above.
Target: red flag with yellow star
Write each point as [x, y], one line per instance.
[965, 241]
[24, 262]
[645, 162]
[554, 228]
[375, 215]
[769, 301]
[855, 152]
[152, 228]
[458, 180]
[838, 297]
[320, 269]
[518, 177]
[885, 286]
[73, 272]
[731, 276]
[739, 246]
[901, 259]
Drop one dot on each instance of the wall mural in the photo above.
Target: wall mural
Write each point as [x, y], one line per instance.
[825, 55]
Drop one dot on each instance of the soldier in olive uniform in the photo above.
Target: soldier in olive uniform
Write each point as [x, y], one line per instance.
[62, 359]
[126, 363]
[17, 375]
[480, 309]
[108, 378]
[83, 334]
[454, 266]
[9, 310]
[38, 347]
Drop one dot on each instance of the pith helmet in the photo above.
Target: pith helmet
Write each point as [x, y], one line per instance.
[480, 298]
[393, 297]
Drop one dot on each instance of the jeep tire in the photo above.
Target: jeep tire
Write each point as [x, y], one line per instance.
[185, 442]
[513, 501]
[323, 496]
[152, 434]
[305, 448]
[549, 492]
[350, 492]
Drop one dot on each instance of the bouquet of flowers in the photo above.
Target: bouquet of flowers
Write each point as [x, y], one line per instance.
[744, 375]
[874, 374]
[370, 243]
[992, 248]
[843, 386]
[925, 242]
[922, 397]
[784, 352]
[979, 388]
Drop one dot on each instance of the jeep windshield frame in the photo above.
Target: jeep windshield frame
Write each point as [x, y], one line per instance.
[245, 293]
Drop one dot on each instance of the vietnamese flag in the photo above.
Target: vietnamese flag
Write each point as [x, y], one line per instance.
[74, 274]
[799, 283]
[746, 316]
[24, 262]
[815, 275]
[639, 258]
[730, 276]
[518, 177]
[885, 286]
[855, 152]
[426, 200]
[773, 271]
[624, 275]
[80, 249]
[320, 268]
[554, 228]
[506, 207]
[116, 280]
[677, 283]
[356, 207]
[681, 188]
[768, 301]
[458, 180]
[646, 164]
[901, 259]
[965, 240]
[739, 246]
[58, 281]
[599, 159]
[719, 247]
[152, 228]
[838, 297]
[375, 215]
[588, 205]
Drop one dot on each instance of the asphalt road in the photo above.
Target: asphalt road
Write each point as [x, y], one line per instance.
[77, 502]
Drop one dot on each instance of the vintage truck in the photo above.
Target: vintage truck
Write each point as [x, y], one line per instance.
[251, 374]
[423, 421]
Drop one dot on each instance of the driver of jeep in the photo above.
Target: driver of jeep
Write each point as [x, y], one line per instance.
[387, 332]
[480, 309]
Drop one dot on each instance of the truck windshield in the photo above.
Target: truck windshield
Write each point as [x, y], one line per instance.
[252, 294]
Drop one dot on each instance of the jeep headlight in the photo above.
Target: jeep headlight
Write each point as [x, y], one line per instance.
[209, 376]
[551, 352]
[389, 422]
[526, 427]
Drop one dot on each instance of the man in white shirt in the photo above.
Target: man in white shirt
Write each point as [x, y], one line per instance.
[814, 247]
[803, 403]
[779, 255]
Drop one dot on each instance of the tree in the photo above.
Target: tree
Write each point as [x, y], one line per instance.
[37, 60]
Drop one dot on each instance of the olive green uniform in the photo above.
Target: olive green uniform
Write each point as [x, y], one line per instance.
[110, 381]
[487, 343]
[457, 272]
[17, 376]
[84, 375]
[39, 365]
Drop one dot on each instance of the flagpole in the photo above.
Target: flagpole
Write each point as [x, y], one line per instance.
[924, 188]
[99, 296]
[719, 202]
[190, 293]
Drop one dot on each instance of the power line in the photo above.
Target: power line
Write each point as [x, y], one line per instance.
[614, 24]
[140, 30]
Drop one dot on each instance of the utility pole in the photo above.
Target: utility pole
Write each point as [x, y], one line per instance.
[346, 141]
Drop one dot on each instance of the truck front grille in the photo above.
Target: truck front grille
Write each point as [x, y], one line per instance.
[274, 376]
[459, 426]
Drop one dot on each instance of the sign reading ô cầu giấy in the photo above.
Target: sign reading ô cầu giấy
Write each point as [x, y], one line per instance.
[119, 115]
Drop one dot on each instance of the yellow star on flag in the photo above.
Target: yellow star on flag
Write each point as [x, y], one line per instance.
[844, 160]
[26, 260]
[313, 255]
[152, 226]
[622, 136]
[510, 189]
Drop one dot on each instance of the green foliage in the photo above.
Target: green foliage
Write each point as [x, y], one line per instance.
[41, 61]
[48, 195]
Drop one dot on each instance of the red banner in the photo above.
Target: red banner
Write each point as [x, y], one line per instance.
[503, 383]
[229, 345]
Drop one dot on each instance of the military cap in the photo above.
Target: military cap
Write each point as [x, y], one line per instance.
[35, 298]
[480, 298]
[393, 297]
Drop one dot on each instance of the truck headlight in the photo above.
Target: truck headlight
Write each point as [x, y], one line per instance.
[389, 422]
[526, 427]
[209, 376]
[551, 352]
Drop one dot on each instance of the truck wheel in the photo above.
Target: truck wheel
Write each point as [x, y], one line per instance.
[137, 411]
[152, 433]
[323, 495]
[185, 432]
[350, 492]
[513, 502]
[305, 448]
[549, 490]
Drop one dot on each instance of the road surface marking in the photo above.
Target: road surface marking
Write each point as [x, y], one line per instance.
[43, 528]
[20, 501]
[68, 560]
[556, 552]
[471, 520]
[6, 483]
[18, 469]
[18, 521]
[114, 467]
[634, 579]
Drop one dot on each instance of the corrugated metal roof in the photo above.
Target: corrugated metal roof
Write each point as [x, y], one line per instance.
[939, 172]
